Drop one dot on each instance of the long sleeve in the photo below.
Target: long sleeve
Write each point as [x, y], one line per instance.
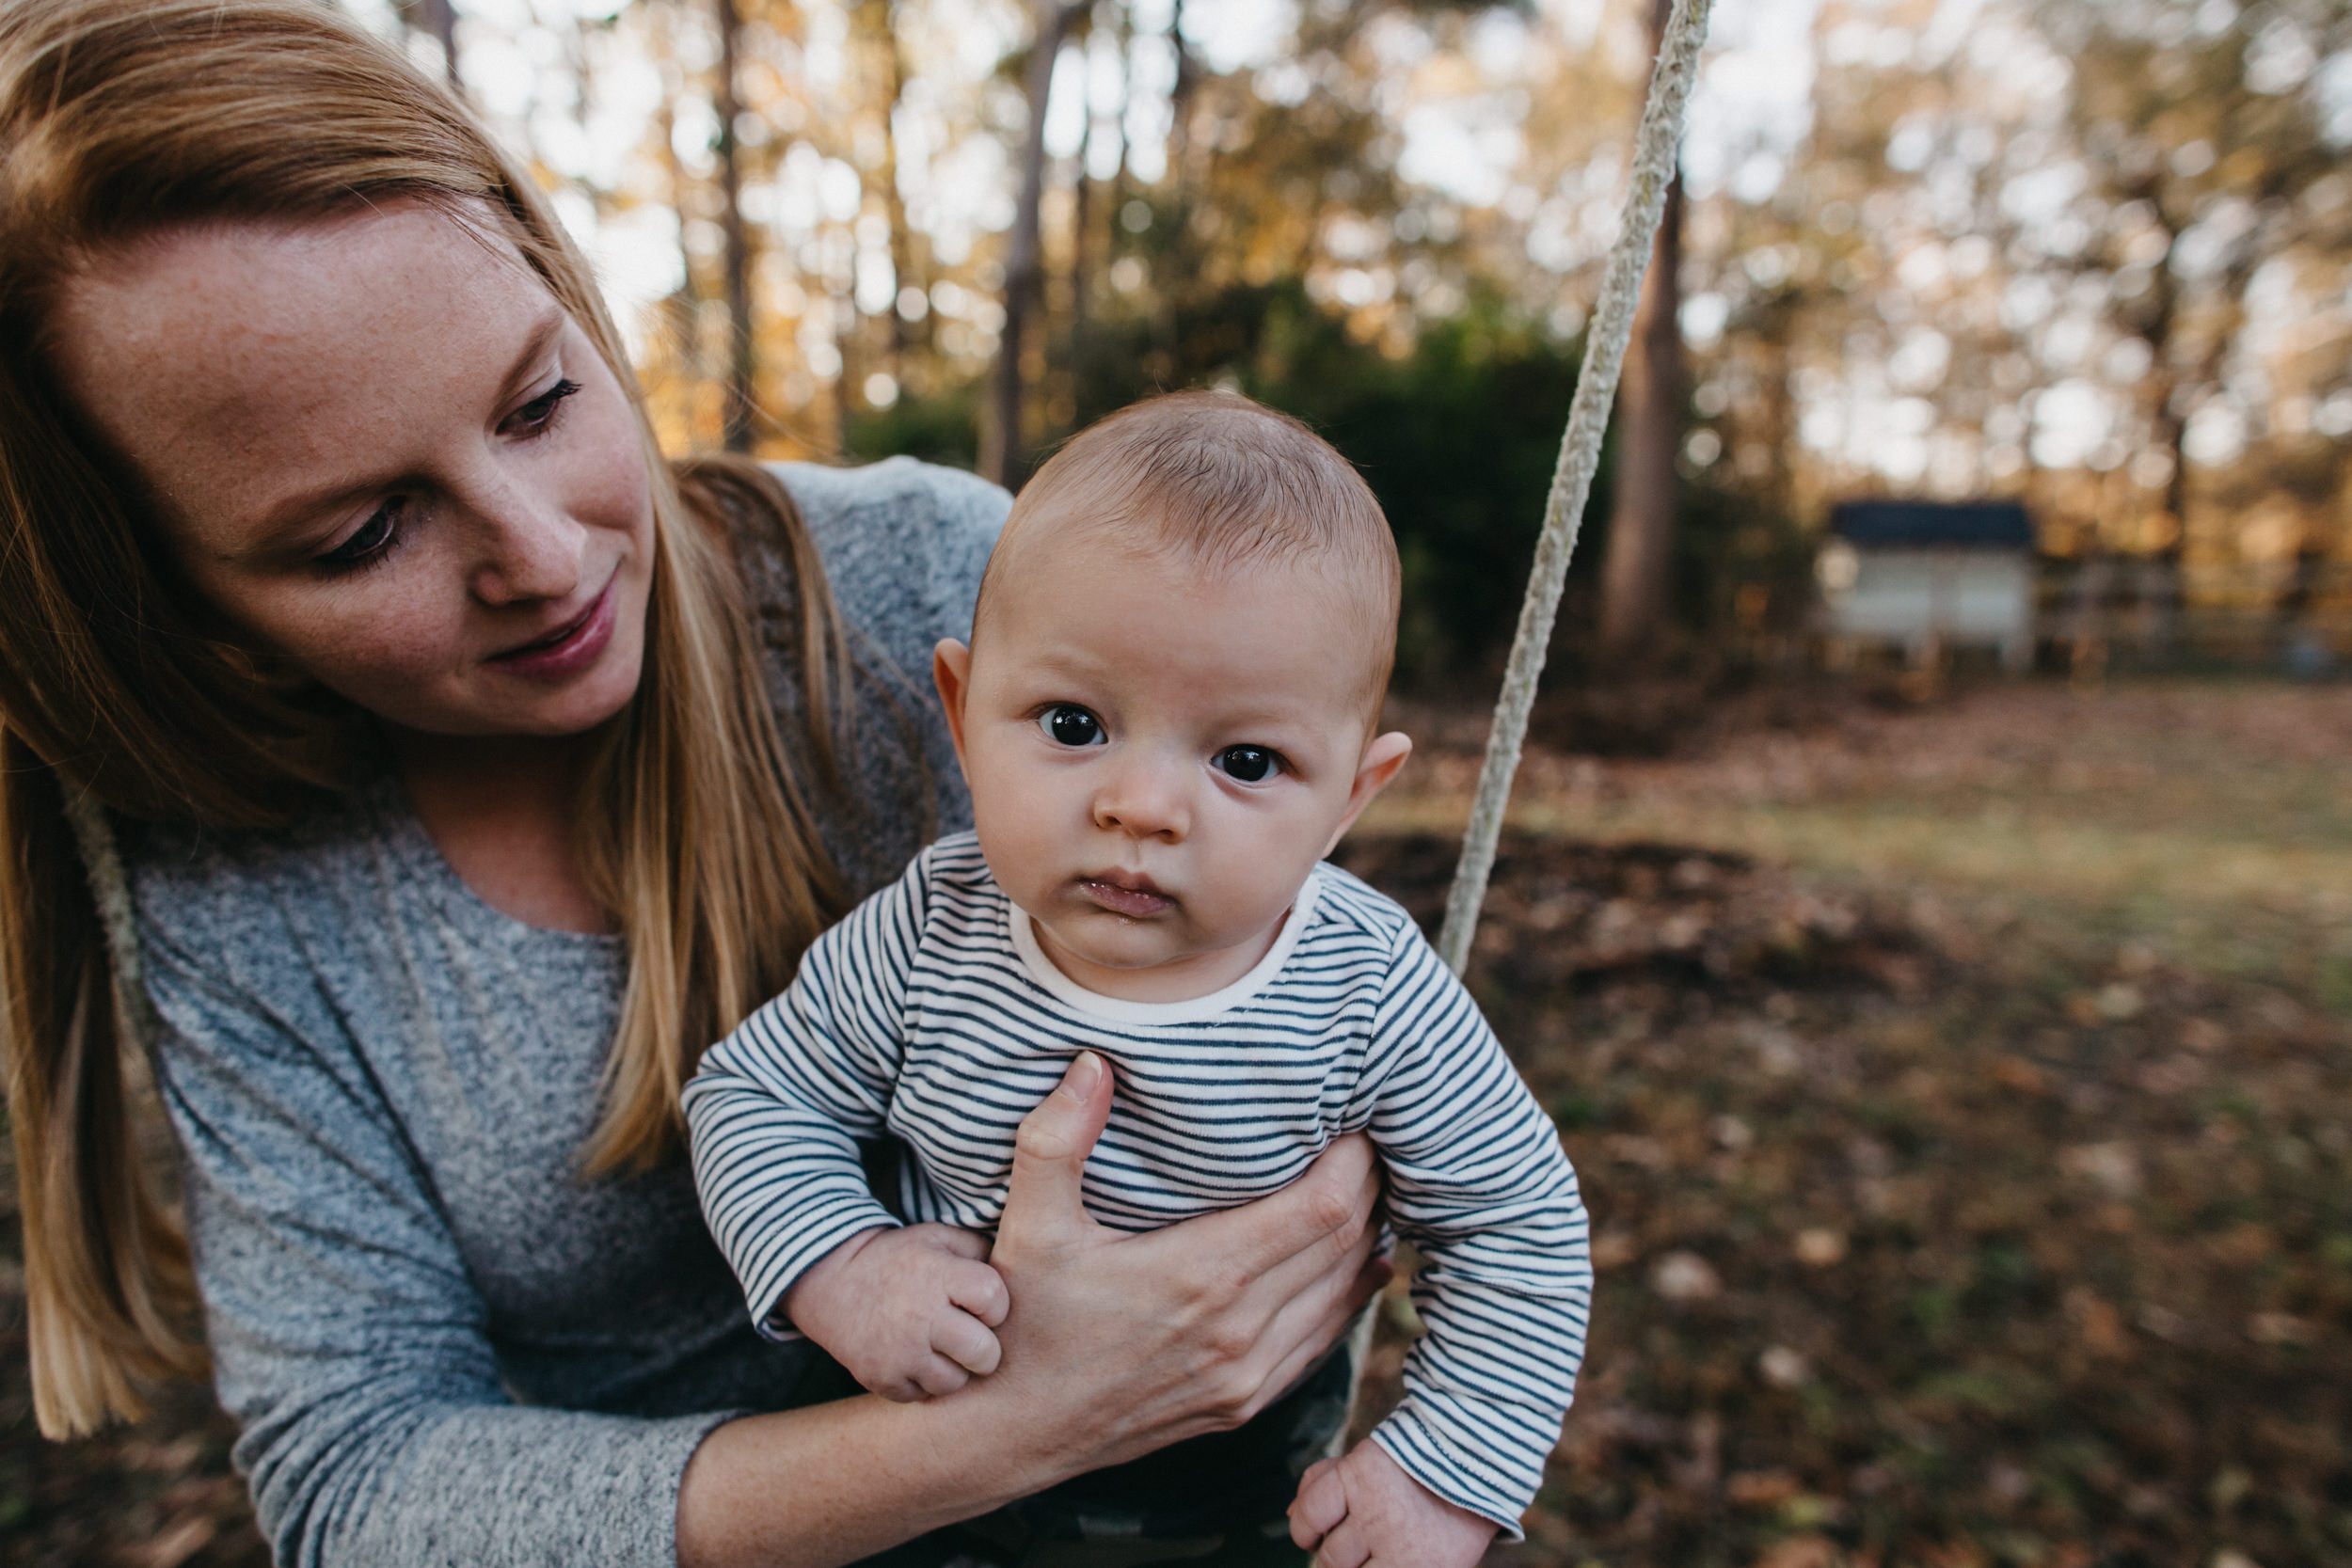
[349, 1342]
[1478, 1183]
[444, 1344]
[775, 1111]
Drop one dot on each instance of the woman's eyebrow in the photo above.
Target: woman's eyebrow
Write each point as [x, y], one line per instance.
[543, 332]
[282, 518]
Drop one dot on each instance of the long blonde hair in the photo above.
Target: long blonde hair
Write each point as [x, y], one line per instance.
[122, 690]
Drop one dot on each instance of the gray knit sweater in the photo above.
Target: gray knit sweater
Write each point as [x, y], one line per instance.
[444, 1347]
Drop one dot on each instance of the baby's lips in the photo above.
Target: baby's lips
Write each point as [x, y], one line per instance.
[1133, 902]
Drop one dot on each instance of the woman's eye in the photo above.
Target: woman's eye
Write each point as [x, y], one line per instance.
[375, 537]
[1249, 764]
[1068, 724]
[539, 412]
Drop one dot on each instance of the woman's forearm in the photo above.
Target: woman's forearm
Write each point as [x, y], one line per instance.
[1115, 1345]
[831, 1484]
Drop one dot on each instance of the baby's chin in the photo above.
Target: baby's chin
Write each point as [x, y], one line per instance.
[1141, 960]
[1125, 945]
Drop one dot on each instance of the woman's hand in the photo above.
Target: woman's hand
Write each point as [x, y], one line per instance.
[1118, 1344]
[1114, 1345]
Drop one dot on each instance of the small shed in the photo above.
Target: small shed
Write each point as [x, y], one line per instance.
[1930, 574]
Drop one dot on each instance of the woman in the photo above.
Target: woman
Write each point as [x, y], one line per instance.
[472, 768]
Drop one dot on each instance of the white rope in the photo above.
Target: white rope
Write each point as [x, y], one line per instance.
[1656, 145]
[111, 890]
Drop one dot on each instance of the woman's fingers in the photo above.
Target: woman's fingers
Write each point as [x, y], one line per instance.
[1304, 1331]
[1045, 1203]
[964, 1340]
[1290, 1238]
[1319, 1277]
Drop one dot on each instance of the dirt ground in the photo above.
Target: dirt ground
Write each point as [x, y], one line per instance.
[1963, 1099]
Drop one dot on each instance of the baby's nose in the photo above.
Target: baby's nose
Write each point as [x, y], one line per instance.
[1143, 802]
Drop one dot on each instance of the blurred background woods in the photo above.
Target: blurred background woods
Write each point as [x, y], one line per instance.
[2091, 255]
[1963, 1087]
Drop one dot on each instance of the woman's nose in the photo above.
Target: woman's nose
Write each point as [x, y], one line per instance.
[1143, 799]
[529, 548]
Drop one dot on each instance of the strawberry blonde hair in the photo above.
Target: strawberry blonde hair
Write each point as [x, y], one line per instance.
[123, 694]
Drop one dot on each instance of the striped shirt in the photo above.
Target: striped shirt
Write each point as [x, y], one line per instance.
[930, 1015]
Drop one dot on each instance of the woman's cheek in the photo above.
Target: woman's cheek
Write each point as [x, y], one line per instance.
[609, 479]
[603, 452]
[392, 646]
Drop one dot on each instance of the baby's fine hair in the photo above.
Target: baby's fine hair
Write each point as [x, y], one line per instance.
[1227, 484]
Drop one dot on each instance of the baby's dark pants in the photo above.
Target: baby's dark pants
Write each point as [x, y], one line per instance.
[1220, 1500]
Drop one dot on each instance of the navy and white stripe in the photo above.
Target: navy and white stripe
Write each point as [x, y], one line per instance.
[929, 1015]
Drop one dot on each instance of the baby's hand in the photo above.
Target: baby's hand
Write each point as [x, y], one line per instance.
[1364, 1511]
[909, 1313]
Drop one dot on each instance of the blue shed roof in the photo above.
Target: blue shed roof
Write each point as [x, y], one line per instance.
[1965, 525]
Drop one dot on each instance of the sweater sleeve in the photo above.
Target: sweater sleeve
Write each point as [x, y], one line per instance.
[904, 546]
[348, 1342]
[1478, 1183]
[775, 1112]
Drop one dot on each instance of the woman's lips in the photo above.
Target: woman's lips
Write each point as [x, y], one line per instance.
[571, 648]
[1136, 902]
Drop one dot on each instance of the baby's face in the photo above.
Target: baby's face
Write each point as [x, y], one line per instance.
[1158, 757]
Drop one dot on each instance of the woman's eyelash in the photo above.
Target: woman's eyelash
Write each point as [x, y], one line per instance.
[377, 538]
[539, 413]
[371, 544]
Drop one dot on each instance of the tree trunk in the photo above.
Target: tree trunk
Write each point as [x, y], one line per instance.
[1180, 101]
[1002, 454]
[881, 18]
[1635, 575]
[1081, 254]
[736, 421]
[439, 19]
[841, 326]
[1123, 31]
[2159, 575]
[683, 309]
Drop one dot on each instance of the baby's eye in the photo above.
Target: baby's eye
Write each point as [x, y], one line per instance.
[1068, 724]
[1249, 764]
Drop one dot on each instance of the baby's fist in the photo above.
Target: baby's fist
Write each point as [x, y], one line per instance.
[1363, 1511]
[909, 1313]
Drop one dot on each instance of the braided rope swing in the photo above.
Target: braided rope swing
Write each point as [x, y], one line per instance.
[1656, 147]
[110, 891]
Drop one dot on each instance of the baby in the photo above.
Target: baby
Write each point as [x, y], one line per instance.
[1167, 716]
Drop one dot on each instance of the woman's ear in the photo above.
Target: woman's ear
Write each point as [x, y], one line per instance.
[1383, 756]
[951, 672]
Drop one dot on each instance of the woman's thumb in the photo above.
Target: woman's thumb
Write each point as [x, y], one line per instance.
[1049, 1154]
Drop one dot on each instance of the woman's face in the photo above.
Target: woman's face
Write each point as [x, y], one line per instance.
[385, 450]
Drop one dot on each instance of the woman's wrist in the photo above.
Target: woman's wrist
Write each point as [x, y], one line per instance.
[1114, 1345]
[833, 1484]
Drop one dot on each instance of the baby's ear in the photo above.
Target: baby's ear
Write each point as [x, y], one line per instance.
[1383, 756]
[951, 672]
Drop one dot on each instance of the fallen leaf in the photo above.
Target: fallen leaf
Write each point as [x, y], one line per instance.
[1820, 1247]
[1760, 1488]
[1685, 1276]
[1801, 1551]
